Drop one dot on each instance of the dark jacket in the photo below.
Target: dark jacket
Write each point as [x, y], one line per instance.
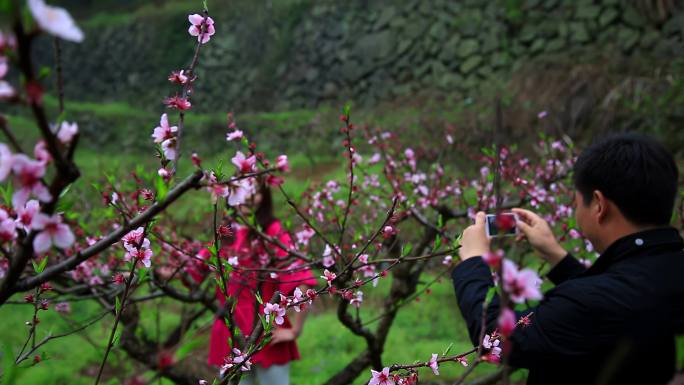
[613, 323]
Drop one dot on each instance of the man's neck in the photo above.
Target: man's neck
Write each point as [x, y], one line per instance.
[617, 230]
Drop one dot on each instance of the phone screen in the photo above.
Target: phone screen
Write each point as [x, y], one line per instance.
[506, 220]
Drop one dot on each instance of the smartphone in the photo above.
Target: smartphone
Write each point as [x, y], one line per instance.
[506, 220]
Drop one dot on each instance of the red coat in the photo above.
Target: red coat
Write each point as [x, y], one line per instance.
[243, 285]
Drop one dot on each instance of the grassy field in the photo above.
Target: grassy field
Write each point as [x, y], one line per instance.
[423, 327]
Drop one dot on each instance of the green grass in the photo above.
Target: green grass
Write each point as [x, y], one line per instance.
[421, 328]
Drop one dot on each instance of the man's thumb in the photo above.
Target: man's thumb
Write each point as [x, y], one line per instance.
[524, 227]
[480, 218]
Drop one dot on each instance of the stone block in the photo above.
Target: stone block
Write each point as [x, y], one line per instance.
[627, 38]
[470, 64]
[632, 17]
[555, 45]
[387, 14]
[538, 46]
[608, 16]
[467, 47]
[450, 49]
[587, 12]
[578, 32]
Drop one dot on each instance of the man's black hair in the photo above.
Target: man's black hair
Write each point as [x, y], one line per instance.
[635, 172]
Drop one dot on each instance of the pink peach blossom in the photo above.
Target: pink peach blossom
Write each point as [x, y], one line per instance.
[8, 227]
[53, 232]
[381, 378]
[133, 237]
[506, 322]
[239, 191]
[40, 151]
[492, 343]
[235, 135]
[328, 276]
[5, 161]
[178, 103]
[197, 22]
[434, 365]
[63, 308]
[55, 21]
[243, 163]
[6, 90]
[357, 299]
[178, 77]
[164, 131]
[67, 131]
[281, 163]
[28, 173]
[493, 258]
[277, 311]
[139, 252]
[25, 214]
[522, 284]
[169, 148]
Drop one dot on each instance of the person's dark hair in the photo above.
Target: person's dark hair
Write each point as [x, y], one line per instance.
[635, 172]
[264, 212]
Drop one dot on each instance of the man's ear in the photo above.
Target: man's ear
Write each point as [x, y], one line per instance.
[599, 205]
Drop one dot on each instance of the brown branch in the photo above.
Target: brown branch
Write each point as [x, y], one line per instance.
[190, 182]
[9, 135]
[110, 343]
[455, 358]
[350, 152]
[186, 88]
[59, 79]
[50, 337]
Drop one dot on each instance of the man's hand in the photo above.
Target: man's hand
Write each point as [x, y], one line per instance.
[474, 241]
[538, 233]
[283, 335]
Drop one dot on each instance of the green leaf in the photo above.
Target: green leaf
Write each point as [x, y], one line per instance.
[218, 171]
[438, 243]
[143, 274]
[42, 265]
[187, 348]
[259, 299]
[117, 305]
[440, 221]
[43, 72]
[162, 188]
[490, 295]
[406, 249]
[346, 110]
[488, 152]
[65, 191]
[219, 282]
[117, 337]
[446, 351]
[39, 267]
[6, 192]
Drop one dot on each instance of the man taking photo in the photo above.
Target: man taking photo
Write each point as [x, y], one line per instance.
[614, 322]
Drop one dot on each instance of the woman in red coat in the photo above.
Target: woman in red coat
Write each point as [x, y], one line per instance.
[248, 251]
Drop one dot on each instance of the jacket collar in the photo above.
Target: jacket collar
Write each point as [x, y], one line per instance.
[667, 238]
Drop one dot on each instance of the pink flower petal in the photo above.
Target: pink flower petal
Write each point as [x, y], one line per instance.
[42, 242]
[196, 19]
[63, 237]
